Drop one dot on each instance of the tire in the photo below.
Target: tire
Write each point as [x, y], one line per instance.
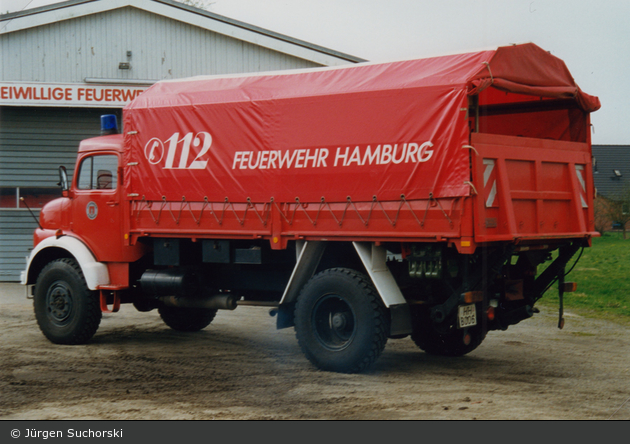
[187, 319]
[67, 311]
[444, 342]
[340, 321]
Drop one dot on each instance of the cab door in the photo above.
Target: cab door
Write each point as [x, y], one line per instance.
[96, 205]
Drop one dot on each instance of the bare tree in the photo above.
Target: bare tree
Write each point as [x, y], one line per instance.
[201, 4]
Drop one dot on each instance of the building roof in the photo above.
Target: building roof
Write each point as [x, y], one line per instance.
[178, 11]
[611, 168]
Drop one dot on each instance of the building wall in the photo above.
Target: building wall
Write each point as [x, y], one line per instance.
[16, 237]
[161, 48]
[35, 141]
[606, 160]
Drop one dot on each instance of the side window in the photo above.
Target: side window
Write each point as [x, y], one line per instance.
[98, 173]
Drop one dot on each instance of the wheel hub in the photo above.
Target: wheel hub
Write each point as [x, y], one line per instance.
[334, 322]
[338, 321]
[59, 302]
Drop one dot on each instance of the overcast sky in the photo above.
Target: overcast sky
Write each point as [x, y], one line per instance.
[592, 37]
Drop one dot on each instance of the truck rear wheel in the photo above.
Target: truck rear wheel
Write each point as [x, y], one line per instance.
[67, 311]
[340, 321]
[446, 341]
[187, 319]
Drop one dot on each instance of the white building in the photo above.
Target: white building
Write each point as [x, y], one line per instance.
[64, 65]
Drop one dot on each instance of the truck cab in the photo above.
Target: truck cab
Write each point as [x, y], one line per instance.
[95, 196]
[81, 233]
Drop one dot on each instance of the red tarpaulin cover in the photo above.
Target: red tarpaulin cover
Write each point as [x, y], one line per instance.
[356, 131]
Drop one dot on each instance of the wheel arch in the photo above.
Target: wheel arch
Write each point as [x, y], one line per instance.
[370, 258]
[52, 248]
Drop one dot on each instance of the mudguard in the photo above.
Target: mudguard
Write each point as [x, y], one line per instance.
[95, 272]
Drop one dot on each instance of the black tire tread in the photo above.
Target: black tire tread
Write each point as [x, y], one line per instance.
[92, 315]
[428, 339]
[187, 319]
[381, 320]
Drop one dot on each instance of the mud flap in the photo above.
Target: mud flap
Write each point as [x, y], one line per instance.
[400, 321]
[374, 260]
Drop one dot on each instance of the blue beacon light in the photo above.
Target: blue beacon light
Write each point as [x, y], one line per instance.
[109, 124]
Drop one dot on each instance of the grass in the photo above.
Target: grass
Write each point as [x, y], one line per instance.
[603, 281]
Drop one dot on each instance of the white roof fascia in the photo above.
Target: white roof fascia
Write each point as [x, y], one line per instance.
[54, 15]
[243, 34]
[272, 42]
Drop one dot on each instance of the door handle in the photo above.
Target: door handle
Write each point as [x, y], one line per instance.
[112, 203]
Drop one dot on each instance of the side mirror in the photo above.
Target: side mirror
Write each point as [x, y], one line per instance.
[63, 179]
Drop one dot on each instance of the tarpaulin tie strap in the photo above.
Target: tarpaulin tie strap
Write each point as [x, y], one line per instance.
[403, 200]
[206, 203]
[374, 201]
[181, 208]
[284, 209]
[298, 206]
[282, 213]
[185, 204]
[146, 204]
[350, 203]
[248, 206]
[470, 147]
[219, 221]
[490, 71]
[302, 207]
[324, 203]
[266, 211]
[471, 186]
[226, 205]
[432, 202]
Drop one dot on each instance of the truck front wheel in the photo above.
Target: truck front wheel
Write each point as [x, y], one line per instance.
[67, 311]
[340, 321]
[187, 319]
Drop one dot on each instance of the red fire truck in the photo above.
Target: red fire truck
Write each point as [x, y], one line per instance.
[435, 198]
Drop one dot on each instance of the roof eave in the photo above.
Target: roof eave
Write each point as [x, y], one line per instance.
[178, 11]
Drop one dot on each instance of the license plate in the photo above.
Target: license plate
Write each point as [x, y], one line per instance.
[466, 316]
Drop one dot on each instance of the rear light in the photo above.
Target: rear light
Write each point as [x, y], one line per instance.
[467, 339]
[569, 287]
[490, 313]
[473, 296]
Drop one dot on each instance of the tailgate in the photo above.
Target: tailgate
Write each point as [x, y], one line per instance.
[531, 188]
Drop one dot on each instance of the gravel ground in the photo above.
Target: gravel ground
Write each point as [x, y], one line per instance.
[242, 368]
